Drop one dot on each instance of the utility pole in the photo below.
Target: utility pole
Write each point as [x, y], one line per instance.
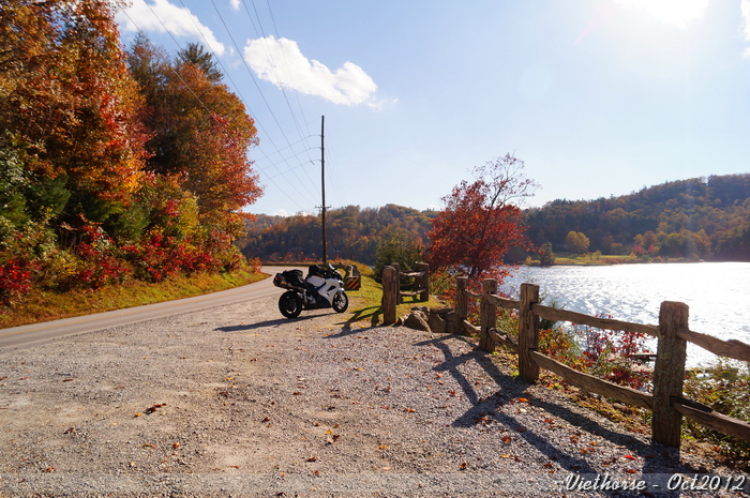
[323, 181]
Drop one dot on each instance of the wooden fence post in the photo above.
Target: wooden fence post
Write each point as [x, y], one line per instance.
[488, 316]
[397, 267]
[528, 333]
[423, 283]
[390, 294]
[669, 373]
[462, 304]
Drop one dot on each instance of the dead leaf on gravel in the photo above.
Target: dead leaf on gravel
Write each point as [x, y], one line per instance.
[64, 380]
[71, 430]
[267, 419]
[312, 459]
[176, 445]
[49, 469]
[153, 408]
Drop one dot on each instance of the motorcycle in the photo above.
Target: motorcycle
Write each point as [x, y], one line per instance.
[322, 288]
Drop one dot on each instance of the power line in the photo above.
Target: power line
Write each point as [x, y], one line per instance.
[168, 64]
[239, 51]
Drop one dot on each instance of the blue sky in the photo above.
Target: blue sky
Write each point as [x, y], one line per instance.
[597, 97]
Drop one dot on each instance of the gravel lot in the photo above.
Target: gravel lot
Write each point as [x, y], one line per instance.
[238, 401]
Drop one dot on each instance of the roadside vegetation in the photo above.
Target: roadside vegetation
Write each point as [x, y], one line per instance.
[119, 169]
[44, 305]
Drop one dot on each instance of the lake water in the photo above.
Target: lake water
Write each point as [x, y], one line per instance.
[718, 294]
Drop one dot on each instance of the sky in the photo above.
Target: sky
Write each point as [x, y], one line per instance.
[598, 98]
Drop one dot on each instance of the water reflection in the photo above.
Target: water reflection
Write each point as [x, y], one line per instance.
[717, 294]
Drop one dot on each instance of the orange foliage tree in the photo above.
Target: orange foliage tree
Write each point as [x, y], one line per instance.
[479, 223]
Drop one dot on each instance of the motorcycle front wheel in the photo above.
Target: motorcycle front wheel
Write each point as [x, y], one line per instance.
[290, 304]
[340, 302]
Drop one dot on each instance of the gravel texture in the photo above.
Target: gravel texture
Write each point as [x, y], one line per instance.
[238, 401]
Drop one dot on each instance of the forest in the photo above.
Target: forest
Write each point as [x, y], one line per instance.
[700, 218]
[114, 164]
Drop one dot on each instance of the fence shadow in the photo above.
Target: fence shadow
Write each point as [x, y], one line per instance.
[511, 387]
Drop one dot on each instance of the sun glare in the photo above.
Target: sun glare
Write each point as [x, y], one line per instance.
[676, 12]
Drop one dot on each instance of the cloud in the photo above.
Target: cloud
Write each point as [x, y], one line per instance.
[162, 16]
[745, 10]
[235, 4]
[281, 62]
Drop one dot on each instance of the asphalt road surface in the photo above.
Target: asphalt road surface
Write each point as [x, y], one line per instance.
[28, 335]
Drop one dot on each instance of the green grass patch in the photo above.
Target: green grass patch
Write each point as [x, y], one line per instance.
[42, 306]
[364, 304]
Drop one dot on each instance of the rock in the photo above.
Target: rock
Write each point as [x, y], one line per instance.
[417, 321]
[437, 323]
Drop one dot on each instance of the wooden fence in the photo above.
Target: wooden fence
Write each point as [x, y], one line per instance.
[394, 291]
[666, 403]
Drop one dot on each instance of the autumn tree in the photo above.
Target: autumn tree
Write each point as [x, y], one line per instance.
[69, 108]
[577, 242]
[480, 223]
[201, 132]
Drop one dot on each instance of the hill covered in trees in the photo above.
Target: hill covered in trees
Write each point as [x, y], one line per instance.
[697, 218]
[700, 218]
[351, 232]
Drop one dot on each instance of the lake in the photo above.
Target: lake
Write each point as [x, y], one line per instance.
[718, 294]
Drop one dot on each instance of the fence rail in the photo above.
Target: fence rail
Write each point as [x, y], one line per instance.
[667, 403]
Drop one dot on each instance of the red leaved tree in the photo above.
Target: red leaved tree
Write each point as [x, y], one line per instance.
[479, 223]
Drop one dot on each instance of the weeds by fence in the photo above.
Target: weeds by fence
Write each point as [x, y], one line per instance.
[667, 403]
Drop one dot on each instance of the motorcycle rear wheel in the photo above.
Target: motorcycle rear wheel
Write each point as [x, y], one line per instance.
[290, 304]
[340, 302]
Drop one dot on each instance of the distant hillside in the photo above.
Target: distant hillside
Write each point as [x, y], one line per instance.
[351, 233]
[696, 218]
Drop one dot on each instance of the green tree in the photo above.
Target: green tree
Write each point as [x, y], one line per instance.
[397, 247]
[546, 256]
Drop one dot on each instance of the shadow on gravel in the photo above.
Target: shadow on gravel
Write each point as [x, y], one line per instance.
[267, 323]
[655, 455]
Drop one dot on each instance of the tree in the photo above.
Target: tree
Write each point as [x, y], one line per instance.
[546, 256]
[201, 132]
[195, 54]
[577, 242]
[479, 224]
[396, 246]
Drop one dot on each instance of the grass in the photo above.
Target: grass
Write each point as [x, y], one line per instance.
[364, 304]
[42, 306]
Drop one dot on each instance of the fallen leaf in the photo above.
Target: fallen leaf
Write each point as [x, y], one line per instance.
[383, 447]
[176, 445]
[267, 419]
[312, 459]
[64, 380]
[49, 469]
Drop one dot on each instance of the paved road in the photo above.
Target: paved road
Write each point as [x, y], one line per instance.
[26, 335]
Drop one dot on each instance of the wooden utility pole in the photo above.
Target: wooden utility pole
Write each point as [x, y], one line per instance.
[323, 182]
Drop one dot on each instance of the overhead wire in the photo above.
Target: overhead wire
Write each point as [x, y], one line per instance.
[260, 91]
[203, 104]
[260, 33]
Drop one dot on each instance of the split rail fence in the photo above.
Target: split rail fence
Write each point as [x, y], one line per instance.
[394, 291]
[666, 403]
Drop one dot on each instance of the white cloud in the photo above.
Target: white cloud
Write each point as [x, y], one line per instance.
[235, 4]
[281, 62]
[162, 16]
[676, 12]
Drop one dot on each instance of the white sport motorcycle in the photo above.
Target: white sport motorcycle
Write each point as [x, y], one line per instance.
[322, 288]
